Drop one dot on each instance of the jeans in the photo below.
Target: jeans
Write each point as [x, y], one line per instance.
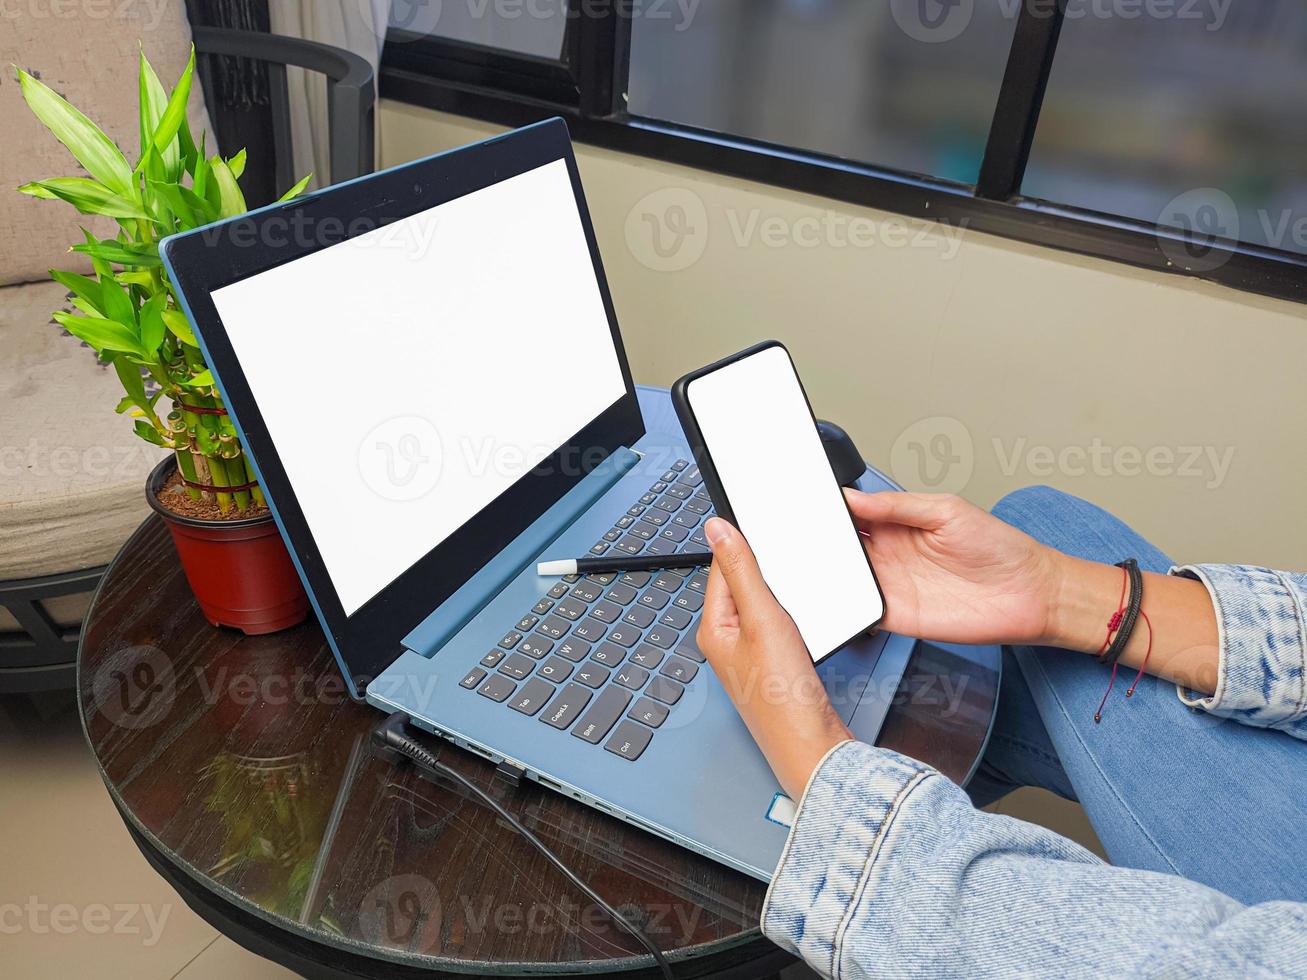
[1167, 788]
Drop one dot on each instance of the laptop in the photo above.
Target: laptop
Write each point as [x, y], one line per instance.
[426, 367]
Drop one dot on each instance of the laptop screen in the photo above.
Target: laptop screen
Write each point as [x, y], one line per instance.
[410, 376]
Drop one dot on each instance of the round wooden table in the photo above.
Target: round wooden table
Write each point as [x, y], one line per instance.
[244, 773]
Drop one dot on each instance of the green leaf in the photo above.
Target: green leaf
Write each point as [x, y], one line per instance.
[83, 287]
[142, 279]
[127, 402]
[180, 327]
[122, 253]
[149, 433]
[87, 196]
[237, 164]
[103, 335]
[101, 267]
[130, 376]
[174, 114]
[88, 145]
[117, 303]
[202, 380]
[154, 99]
[200, 179]
[295, 191]
[231, 202]
[153, 328]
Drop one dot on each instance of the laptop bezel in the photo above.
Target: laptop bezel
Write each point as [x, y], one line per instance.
[199, 262]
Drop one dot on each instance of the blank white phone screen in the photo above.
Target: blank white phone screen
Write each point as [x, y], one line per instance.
[769, 458]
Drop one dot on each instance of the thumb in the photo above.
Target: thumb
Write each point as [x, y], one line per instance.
[733, 557]
[928, 512]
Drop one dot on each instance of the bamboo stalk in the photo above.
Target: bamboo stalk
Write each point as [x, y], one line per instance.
[251, 477]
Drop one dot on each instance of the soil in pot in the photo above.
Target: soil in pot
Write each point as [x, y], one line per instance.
[176, 499]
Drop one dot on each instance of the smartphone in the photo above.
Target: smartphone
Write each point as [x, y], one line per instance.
[755, 439]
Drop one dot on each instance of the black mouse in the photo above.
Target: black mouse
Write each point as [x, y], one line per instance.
[842, 453]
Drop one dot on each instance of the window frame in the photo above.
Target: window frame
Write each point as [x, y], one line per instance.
[587, 85]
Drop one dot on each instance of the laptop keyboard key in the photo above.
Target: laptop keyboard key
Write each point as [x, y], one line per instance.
[566, 706]
[674, 618]
[536, 647]
[600, 549]
[624, 635]
[555, 669]
[649, 712]
[664, 690]
[655, 598]
[542, 607]
[590, 630]
[636, 580]
[649, 498]
[686, 519]
[629, 741]
[620, 594]
[631, 545]
[679, 670]
[692, 477]
[681, 465]
[662, 637]
[527, 623]
[532, 697]
[674, 532]
[645, 531]
[609, 654]
[697, 506]
[602, 716]
[680, 491]
[606, 612]
[698, 582]
[511, 640]
[573, 650]
[613, 535]
[625, 521]
[517, 666]
[496, 687]
[586, 591]
[592, 675]
[632, 677]
[657, 517]
[669, 504]
[647, 656]
[690, 601]
[553, 627]
[472, 680]
[639, 617]
[492, 658]
[558, 591]
[668, 581]
[571, 608]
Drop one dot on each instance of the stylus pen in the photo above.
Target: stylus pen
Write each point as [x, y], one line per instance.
[645, 563]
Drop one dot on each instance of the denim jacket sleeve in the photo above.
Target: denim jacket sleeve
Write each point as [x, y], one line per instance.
[1262, 619]
[889, 871]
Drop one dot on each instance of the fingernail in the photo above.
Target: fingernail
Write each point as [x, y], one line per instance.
[717, 531]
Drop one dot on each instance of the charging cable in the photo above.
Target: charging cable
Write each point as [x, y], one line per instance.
[393, 735]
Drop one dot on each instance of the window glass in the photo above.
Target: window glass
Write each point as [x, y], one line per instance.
[906, 84]
[1195, 120]
[533, 27]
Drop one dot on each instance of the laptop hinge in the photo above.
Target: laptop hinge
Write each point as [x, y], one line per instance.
[480, 590]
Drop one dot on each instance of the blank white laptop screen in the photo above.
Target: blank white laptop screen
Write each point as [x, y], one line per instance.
[410, 376]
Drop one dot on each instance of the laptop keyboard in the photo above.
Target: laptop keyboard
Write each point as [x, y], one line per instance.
[609, 657]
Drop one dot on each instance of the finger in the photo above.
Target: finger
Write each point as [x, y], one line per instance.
[734, 559]
[720, 615]
[929, 512]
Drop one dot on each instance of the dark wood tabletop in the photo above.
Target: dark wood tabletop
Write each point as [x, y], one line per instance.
[244, 772]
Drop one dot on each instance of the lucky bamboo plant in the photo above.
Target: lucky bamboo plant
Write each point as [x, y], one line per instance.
[127, 310]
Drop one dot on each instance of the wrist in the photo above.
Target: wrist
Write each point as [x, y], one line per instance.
[1083, 596]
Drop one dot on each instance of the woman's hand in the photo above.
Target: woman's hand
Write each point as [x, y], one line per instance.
[761, 660]
[953, 573]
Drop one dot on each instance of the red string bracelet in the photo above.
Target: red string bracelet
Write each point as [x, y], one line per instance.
[1113, 625]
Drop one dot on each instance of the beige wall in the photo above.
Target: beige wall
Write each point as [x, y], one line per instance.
[1019, 364]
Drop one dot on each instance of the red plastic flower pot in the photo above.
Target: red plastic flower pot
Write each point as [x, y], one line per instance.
[239, 570]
